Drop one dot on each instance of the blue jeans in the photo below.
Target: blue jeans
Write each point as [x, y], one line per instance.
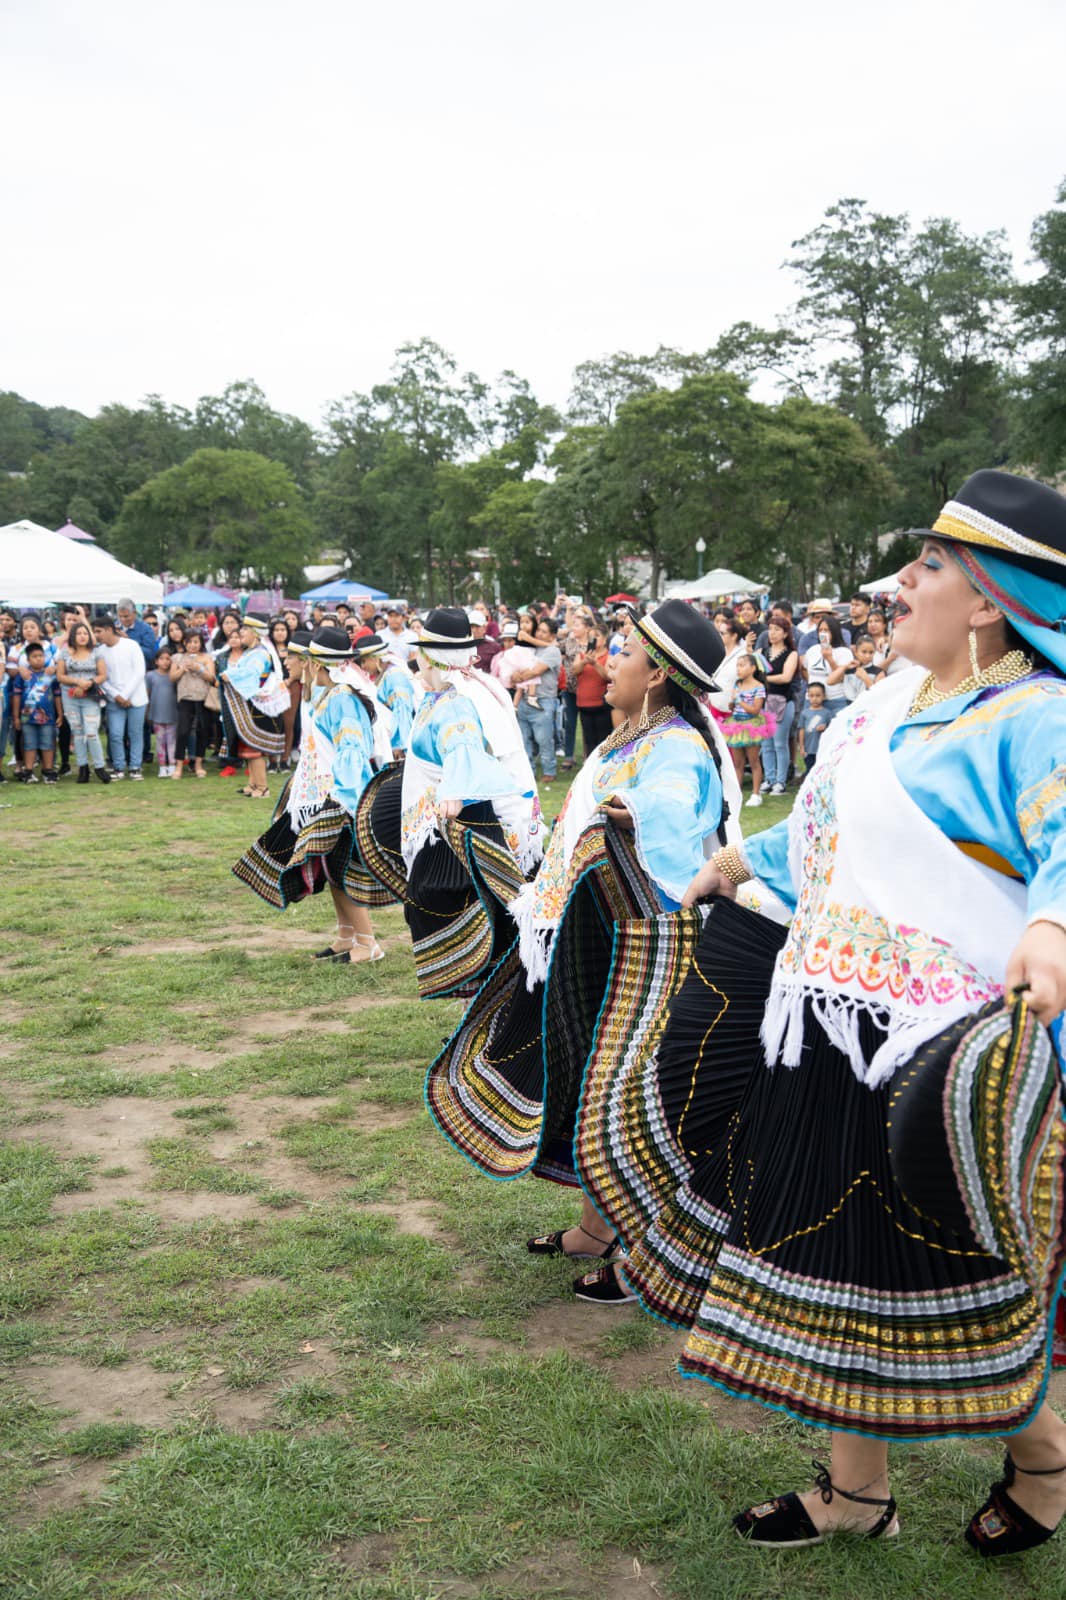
[775, 750]
[538, 734]
[84, 718]
[123, 720]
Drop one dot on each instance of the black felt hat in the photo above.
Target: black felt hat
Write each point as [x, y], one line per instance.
[331, 644]
[1019, 519]
[683, 642]
[447, 628]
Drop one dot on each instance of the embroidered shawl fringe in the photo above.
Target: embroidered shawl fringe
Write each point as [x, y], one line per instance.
[839, 1016]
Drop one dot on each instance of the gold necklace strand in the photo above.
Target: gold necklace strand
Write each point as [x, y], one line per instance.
[1007, 670]
[630, 730]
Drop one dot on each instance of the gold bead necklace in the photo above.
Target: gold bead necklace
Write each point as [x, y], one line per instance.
[635, 730]
[1007, 670]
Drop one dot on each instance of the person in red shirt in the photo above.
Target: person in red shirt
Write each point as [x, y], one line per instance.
[589, 669]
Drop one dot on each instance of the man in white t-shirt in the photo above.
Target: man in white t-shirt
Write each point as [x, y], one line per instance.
[126, 698]
[397, 637]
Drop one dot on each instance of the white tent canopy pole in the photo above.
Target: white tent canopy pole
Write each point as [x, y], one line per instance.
[39, 567]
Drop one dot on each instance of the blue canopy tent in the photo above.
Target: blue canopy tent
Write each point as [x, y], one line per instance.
[196, 594]
[344, 589]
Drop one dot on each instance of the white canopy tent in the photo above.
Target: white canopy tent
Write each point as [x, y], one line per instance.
[881, 585]
[38, 567]
[720, 581]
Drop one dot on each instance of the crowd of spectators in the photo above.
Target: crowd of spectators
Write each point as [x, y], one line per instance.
[148, 685]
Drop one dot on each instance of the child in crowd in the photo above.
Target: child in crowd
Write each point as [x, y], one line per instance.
[813, 723]
[865, 673]
[37, 712]
[515, 657]
[748, 723]
[163, 711]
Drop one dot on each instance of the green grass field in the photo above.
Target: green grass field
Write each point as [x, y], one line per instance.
[264, 1335]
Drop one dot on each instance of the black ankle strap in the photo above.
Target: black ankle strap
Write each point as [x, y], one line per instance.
[1035, 1472]
[828, 1489]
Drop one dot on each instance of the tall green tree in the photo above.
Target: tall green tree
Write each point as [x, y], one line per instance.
[852, 270]
[226, 514]
[89, 476]
[240, 418]
[1040, 432]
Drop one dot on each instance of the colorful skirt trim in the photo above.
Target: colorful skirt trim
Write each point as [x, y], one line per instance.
[762, 1213]
[454, 900]
[283, 867]
[504, 1089]
[261, 734]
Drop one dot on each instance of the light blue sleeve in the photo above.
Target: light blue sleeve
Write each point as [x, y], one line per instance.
[767, 855]
[470, 772]
[675, 801]
[1038, 765]
[344, 720]
[397, 691]
[246, 675]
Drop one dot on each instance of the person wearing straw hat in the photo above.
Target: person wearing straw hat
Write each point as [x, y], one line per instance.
[649, 803]
[310, 844]
[456, 829]
[776, 1208]
[255, 700]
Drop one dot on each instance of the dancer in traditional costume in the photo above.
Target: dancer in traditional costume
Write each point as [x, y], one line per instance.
[310, 844]
[866, 1227]
[394, 686]
[456, 830]
[255, 698]
[640, 818]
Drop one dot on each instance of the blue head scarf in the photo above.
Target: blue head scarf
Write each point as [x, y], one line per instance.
[1035, 606]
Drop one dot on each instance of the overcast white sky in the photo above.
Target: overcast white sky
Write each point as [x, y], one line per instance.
[220, 189]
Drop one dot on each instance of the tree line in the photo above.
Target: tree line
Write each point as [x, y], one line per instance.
[911, 356]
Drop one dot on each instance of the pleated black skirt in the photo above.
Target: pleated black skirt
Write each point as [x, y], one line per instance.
[761, 1210]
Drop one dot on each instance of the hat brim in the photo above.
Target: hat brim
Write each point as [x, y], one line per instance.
[436, 644]
[1053, 571]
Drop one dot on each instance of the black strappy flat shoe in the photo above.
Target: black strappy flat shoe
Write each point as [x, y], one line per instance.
[551, 1244]
[1001, 1527]
[785, 1524]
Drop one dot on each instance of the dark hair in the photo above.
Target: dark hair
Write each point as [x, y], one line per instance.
[35, 644]
[863, 599]
[689, 710]
[784, 605]
[192, 633]
[832, 622]
[222, 638]
[731, 625]
[72, 635]
[786, 628]
[549, 622]
[29, 616]
[106, 621]
[276, 622]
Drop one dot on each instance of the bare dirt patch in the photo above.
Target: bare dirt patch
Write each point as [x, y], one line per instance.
[374, 1552]
[419, 1217]
[567, 1574]
[72, 1484]
[136, 1392]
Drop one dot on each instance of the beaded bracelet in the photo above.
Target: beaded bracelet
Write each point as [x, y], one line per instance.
[730, 862]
